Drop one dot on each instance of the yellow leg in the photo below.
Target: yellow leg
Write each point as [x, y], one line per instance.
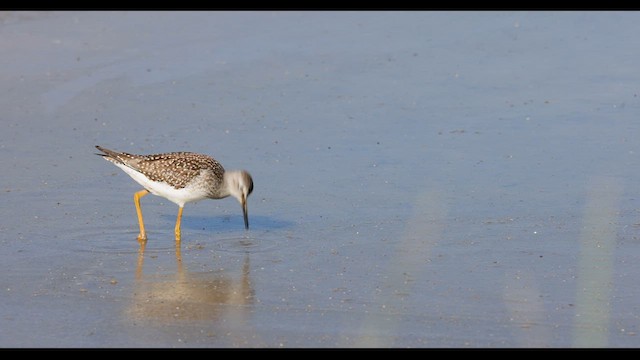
[177, 229]
[136, 200]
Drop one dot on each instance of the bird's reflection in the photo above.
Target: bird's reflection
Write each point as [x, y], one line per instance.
[190, 296]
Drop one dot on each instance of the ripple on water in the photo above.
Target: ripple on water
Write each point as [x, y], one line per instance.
[111, 240]
[121, 239]
[252, 242]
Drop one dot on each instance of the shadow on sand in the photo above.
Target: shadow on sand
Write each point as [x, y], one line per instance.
[227, 223]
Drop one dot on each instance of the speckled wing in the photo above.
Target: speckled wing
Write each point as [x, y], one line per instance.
[176, 169]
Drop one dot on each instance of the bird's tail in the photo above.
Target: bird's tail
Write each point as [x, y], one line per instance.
[108, 154]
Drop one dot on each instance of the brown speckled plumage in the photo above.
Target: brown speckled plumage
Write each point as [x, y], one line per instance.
[176, 169]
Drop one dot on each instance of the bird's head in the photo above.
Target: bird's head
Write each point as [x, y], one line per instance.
[240, 185]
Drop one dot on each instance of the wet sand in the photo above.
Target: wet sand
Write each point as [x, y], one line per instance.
[422, 179]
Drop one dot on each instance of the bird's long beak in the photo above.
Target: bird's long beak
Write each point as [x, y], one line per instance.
[245, 212]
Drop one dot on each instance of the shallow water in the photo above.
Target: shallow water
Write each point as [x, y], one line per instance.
[422, 179]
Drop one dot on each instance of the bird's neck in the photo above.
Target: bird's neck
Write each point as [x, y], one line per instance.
[219, 188]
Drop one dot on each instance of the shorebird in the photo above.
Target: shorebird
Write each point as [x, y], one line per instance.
[181, 177]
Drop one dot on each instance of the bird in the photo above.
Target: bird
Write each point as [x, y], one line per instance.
[181, 177]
